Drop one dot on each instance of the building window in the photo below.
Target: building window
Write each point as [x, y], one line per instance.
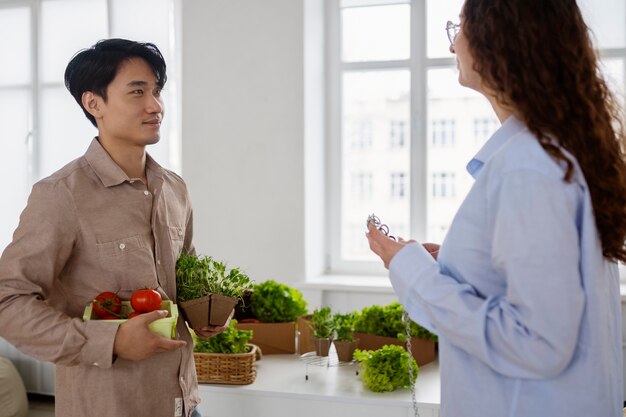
[398, 185]
[443, 132]
[484, 128]
[41, 126]
[444, 185]
[397, 133]
[362, 187]
[362, 135]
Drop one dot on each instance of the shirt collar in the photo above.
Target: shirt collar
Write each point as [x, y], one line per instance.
[108, 171]
[509, 128]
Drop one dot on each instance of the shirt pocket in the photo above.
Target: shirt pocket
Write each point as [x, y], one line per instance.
[120, 247]
[177, 238]
[128, 262]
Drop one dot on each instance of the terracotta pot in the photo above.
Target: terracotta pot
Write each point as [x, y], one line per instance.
[322, 346]
[345, 349]
[424, 351]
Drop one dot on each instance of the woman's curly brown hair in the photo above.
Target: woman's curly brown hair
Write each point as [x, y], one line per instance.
[537, 56]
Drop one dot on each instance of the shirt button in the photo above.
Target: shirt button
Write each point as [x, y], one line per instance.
[132, 181]
[158, 262]
[180, 232]
[146, 192]
[96, 364]
[122, 246]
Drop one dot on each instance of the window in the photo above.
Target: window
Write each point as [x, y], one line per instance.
[443, 132]
[398, 185]
[484, 128]
[443, 185]
[41, 126]
[390, 66]
[397, 133]
[362, 185]
[361, 135]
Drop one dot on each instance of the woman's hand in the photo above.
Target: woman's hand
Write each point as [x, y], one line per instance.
[432, 248]
[383, 246]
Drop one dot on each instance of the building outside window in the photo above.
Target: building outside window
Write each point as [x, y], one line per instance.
[397, 134]
[443, 132]
[362, 187]
[398, 185]
[484, 128]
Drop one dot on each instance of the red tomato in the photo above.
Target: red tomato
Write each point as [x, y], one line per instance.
[133, 314]
[145, 300]
[106, 303]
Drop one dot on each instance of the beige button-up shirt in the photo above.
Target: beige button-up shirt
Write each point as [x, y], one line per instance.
[89, 228]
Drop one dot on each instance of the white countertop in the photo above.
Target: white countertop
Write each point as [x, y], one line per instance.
[285, 376]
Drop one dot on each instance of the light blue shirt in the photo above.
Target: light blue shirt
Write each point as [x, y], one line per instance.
[526, 308]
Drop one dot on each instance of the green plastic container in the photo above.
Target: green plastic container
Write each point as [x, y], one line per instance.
[165, 327]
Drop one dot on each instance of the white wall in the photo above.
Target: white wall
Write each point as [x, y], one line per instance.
[243, 133]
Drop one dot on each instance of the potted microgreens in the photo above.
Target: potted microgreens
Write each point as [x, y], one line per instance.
[206, 291]
[322, 325]
[344, 341]
[377, 326]
[271, 314]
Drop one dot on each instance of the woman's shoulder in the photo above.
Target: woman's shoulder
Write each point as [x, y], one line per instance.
[524, 153]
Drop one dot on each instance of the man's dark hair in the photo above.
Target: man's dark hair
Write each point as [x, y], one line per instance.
[94, 68]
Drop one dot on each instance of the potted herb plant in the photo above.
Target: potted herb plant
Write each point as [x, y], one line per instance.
[226, 358]
[206, 291]
[272, 312]
[385, 369]
[322, 325]
[377, 326]
[344, 341]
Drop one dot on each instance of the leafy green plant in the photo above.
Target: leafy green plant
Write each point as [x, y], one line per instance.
[344, 326]
[231, 340]
[387, 321]
[322, 323]
[272, 302]
[385, 369]
[197, 276]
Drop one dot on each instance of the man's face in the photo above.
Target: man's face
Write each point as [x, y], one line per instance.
[133, 111]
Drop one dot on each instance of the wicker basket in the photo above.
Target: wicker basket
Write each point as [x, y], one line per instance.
[227, 368]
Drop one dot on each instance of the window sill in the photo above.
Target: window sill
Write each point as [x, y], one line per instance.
[339, 282]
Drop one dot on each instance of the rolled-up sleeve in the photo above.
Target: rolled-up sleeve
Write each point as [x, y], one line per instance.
[29, 268]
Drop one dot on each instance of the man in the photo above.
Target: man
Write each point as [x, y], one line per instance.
[112, 220]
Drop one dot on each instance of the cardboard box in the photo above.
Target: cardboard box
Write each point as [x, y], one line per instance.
[304, 335]
[165, 327]
[272, 338]
[424, 351]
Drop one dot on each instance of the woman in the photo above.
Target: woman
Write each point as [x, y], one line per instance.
[524, 291]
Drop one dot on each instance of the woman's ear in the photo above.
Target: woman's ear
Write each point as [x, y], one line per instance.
[91, 103]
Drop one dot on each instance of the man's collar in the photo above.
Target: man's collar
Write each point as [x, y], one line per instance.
[108, 171]
[509, 128]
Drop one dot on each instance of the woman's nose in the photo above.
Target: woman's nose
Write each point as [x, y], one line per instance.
[452, 49]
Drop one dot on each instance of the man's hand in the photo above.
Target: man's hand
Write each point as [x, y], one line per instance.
[210, 331]
[383, 246]
[134, 341]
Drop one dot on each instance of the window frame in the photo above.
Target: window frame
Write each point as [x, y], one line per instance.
[418, 64]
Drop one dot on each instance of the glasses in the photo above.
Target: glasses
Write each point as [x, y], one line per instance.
[452, 29]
